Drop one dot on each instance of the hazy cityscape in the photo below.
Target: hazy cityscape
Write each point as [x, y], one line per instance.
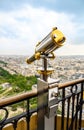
[66, 68]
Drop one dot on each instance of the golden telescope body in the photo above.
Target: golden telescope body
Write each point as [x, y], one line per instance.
[51, 42]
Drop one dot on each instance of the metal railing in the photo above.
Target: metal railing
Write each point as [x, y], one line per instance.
[70, 105]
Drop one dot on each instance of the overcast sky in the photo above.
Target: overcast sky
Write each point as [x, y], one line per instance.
[23, 23]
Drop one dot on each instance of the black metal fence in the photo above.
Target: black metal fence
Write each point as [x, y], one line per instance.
[70, 105]
[71, 102]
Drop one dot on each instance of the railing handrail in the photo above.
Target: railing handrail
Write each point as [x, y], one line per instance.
[17, 98]
[70, 83]
[33, 93]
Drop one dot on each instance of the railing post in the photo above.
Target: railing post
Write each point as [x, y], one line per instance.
[45, 121]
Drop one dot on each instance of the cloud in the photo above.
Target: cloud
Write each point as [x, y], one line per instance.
[70, 49]
[21, 29]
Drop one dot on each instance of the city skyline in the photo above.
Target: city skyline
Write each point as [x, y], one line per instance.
[24, 23]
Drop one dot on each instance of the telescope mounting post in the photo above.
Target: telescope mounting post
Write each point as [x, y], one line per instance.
[44, 75]
[44, 123]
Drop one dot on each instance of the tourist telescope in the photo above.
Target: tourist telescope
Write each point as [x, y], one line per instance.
[51, 42]
[44, 50]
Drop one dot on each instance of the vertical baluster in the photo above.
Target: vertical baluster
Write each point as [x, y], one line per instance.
[68, 108]
[63, 112]
[73, 99]
[5, 118]
[15, 124]
[80, 115]
[76, 119]
[28, 115]
[0, 127]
